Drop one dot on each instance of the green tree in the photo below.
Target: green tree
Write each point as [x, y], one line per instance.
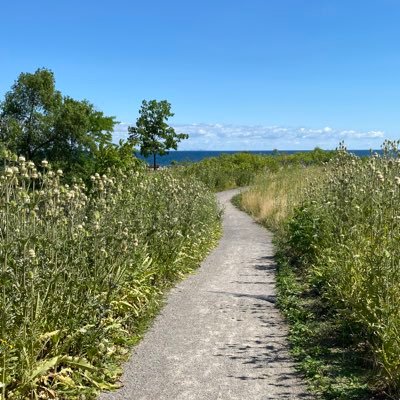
[79, 131]
[38, 122]
[152, 133]
[116, 156]
[28, 112]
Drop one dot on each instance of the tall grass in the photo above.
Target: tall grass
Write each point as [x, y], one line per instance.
[352, 224]
[80, 265]
[240, 169]
[274, 195]
[343, 232]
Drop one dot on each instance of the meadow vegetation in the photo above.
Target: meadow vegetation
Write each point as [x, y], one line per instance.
[240, 169]
[83, 265]
[275, 193]
[338, 240]
[90, 239]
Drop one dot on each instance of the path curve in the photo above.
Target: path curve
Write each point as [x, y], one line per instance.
[220, 335]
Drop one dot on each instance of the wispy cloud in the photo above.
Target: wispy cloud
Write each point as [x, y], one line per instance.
[121, 131]
[259, 137]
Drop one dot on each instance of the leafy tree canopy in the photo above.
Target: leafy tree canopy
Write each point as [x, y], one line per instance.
[37, 121]
[152, 133]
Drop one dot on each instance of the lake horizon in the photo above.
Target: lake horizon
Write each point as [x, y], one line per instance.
[181, 156]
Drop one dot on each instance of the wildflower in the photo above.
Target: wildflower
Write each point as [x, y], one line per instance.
[9, 171]
[30, 164]
[59, 172]
[397, 180]
[50, 174]
[31, 253]
[21, 159]
[15, 170]
[80, 227]
[45, 163]
[34, 175]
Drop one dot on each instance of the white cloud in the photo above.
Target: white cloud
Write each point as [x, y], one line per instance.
[259, 137]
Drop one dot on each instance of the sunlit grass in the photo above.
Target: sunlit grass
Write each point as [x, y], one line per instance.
[274, 195]
[340, 226]
[81, 264]
[241, 169]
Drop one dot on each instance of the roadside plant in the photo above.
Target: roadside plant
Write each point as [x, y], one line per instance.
[349, 241]
[81, 265]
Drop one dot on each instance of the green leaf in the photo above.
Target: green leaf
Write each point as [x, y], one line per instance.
[42, 367]
[78, 362]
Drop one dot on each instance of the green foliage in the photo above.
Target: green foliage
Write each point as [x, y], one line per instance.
[80, 267]
[337, 235]
[28, 112]
[355, 249]
[152, 133]
[38, 122]
[329, 350]
[109, 155]
[240, 169]
[78, 132]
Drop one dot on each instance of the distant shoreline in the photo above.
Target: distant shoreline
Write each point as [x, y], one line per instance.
[180, 156]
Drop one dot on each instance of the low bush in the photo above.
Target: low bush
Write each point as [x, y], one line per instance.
[240, 169]
[81, 265]
[355, 237]
[339, 225]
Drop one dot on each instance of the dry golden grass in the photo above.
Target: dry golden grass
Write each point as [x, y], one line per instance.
[340, 224]
[274, 195]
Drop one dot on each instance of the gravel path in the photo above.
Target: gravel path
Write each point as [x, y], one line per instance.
[219, 336]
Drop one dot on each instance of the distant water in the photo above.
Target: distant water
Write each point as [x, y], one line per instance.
[195, 156]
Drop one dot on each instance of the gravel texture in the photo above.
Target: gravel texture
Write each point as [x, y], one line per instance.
[220, 335]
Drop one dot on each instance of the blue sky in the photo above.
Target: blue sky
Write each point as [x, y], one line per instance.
[255, 74]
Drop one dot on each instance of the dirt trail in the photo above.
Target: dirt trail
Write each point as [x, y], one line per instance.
[220, 335]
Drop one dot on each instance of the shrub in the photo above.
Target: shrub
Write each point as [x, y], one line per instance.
[80, 265]
[347, 233]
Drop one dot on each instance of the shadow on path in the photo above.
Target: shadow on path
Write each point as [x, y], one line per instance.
[265, 353]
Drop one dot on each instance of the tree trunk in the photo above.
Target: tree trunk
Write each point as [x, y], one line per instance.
[154, 161]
